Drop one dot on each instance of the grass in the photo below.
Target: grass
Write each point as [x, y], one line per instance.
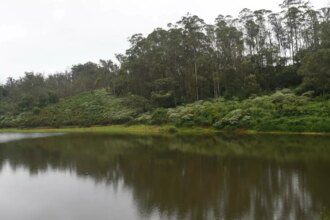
[151, 130]
[117, 129]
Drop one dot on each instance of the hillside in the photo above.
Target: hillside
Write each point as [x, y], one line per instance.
[85, 109]
[280, 111]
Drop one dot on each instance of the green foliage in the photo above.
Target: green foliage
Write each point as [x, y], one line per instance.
[172, 130]
[235, 119]
[158, 116]
[316, 71]
[162, 99]
[281, 111]
[97, 108]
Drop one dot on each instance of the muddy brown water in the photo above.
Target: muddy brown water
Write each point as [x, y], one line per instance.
[94, 176]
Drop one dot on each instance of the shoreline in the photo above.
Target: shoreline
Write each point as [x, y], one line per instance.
[153, 130]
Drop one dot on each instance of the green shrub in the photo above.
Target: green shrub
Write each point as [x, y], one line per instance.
[159, 116]
[36, 111]
[172, 130]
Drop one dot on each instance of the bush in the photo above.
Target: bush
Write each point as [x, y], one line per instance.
[172, 130]
[159, 116]
[281, 111]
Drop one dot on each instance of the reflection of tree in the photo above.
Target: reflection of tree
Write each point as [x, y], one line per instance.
[194, 178]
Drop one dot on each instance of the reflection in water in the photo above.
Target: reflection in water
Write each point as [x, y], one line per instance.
[7, 137]
[127, 177]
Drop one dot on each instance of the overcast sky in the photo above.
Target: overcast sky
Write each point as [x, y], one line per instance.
[51, 35]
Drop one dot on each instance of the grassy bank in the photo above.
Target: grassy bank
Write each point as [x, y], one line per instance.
[118, 129]
[282, 111]
[152, 130]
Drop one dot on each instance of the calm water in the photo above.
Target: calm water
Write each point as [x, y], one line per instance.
[87, 176]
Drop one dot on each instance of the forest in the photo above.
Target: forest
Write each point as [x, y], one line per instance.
[280, 58]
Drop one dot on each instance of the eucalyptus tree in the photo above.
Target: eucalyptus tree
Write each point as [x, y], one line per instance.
[176, 61]
[263, 35]
[85, 77]
[61, 84]
[250, 29]
[316, 71]
[315, 68]
[108, 75]
[229, 51]
[325, 27]
[279, 33]
[136, 66]
[3, 92]
[195, 46]
[292, 12]
[163, 75]
[311, 28]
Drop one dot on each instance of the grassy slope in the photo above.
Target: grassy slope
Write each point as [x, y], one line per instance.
[150, 130]
[86, 109]
[282, 111]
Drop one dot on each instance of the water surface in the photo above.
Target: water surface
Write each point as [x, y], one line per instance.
[7, 137]
[89, 176]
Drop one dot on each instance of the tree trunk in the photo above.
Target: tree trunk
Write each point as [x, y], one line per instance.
[196, 82]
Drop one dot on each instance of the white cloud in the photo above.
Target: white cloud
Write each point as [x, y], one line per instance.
[59, 14]
[11, 33]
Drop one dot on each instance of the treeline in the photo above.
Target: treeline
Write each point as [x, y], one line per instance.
[257, 52]
[34, 91]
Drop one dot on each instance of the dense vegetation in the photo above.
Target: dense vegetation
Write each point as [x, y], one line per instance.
[281, 111]
[237, 64]
[86, 109]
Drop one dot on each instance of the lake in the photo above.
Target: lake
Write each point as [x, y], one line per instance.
[95, 176]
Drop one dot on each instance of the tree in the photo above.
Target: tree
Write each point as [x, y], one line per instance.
[85, 77]
[293, 15]
[195, 43]
[229, 50]
[316, 71]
